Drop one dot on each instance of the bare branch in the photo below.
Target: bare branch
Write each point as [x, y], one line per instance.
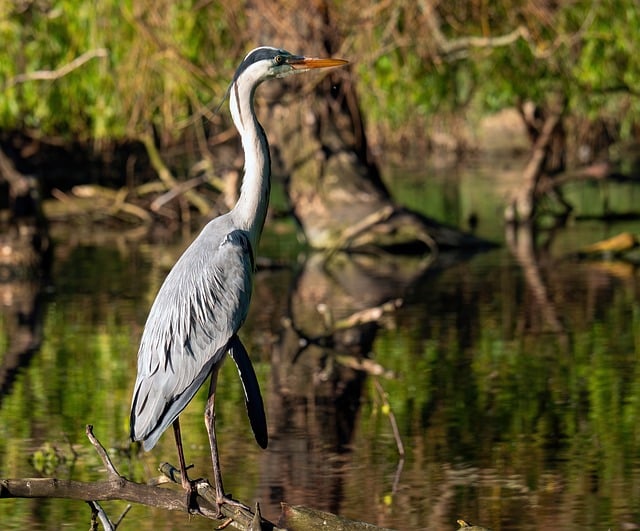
[456, 48]
[50, 75]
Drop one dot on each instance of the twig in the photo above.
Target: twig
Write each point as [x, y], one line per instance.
[106, 460]
[98, 513]
[124, 513]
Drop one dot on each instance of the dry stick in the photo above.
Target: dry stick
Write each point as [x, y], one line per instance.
[121, 517]
[111, 469]
[98, 513]
[177, 190]
[106, 460]
[350, 233]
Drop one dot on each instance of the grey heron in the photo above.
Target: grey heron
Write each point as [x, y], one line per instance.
[204, 299]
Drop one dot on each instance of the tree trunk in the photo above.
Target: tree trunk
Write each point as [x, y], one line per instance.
[547, 135]
[318, 142]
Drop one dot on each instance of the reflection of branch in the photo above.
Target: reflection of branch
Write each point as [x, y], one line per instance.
[367, 365]
[327, 340]
[50, 75]
[367, 315]
[521, 242]
[386, 409]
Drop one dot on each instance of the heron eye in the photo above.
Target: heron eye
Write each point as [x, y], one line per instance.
[278, 59]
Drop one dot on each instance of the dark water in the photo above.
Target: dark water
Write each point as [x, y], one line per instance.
[512, 375]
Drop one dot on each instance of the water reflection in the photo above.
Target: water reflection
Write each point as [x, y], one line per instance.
[515, 386]
[316, 393]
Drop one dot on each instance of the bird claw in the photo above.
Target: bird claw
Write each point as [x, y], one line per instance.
[191, 490]
[223, 499]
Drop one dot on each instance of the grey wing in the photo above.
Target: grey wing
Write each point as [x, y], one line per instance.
[200, 306]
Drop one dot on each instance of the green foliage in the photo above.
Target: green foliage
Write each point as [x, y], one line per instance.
[166, 61]
[584, 51]
[156, 71]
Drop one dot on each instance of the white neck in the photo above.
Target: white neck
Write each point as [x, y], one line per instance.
[251, 209]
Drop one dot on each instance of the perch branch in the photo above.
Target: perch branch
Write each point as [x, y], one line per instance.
[119, 488]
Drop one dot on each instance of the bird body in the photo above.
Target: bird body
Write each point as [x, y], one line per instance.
[205, 298]
[202, 303]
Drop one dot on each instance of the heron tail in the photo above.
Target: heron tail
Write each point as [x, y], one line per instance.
[252, 395]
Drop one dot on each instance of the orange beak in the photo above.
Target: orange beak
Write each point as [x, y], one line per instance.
[306, 63]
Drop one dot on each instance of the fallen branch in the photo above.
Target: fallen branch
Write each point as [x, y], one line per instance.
[115, 199]
[117, 487]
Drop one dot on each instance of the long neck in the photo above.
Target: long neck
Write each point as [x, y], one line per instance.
[251, 209]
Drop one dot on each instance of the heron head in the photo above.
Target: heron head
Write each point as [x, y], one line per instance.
[267, 62]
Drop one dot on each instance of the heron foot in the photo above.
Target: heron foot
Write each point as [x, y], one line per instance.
[223, 499]
[191, 492]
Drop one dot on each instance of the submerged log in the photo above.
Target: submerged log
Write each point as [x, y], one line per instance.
[301, 518]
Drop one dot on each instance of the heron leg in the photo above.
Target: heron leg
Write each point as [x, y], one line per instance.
[210, 421]
[187, 485]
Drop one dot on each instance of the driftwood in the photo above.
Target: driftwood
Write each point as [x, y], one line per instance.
[117, 487]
